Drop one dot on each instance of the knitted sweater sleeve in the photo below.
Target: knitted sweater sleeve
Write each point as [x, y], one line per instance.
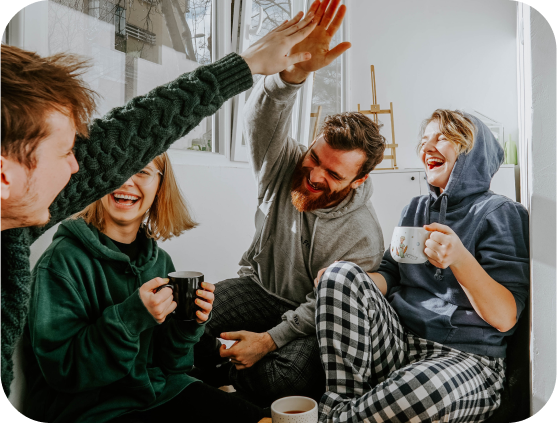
[129, 137]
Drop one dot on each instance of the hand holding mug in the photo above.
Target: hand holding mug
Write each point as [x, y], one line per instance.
[204, 301]
[160, 303]
[443, 248]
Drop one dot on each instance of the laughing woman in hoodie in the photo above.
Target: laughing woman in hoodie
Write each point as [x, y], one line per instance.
[426, 342]
[100, 342]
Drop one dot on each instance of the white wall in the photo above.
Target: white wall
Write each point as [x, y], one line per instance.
[542, 212]
[431, 54]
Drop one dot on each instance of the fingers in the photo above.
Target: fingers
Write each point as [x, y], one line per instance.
[337, 51]
[321, 11]
[432, 227]
[232, 336]
[307, 25]
[155, 283]
[201, 316]
[432, 254]
[330, 13]
[297, 58]
[208, 286]
[337, 21]
[203, 305]
[288, 24]
[207, 296]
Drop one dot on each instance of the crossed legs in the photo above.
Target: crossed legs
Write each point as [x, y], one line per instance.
[376, 371]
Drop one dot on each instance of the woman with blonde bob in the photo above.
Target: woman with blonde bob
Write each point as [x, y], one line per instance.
[427, 341]
[100, 339]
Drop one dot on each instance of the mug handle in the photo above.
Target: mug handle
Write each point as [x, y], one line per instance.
[158, 288]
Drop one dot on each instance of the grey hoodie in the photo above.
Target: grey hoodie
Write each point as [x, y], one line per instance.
[290, 247]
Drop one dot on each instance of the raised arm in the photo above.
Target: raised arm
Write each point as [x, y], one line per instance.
[128, 137]
[267, 122]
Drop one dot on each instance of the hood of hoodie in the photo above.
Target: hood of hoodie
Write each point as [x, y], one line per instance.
[472, 172]
[101, 247]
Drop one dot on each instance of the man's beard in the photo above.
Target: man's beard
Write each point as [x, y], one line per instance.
[306, 201]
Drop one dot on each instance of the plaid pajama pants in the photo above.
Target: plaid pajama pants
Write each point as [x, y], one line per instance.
[294, 369]
[379, 372]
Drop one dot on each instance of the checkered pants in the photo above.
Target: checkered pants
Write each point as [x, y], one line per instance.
[378, 372]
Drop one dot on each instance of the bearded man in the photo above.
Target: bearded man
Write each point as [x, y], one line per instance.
[314, 208]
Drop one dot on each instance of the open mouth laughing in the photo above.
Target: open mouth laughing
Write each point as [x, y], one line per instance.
[312, 187]
[434, 162]
[124, 200]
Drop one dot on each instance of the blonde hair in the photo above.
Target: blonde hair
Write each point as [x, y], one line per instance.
[167, 217]
[455, 126]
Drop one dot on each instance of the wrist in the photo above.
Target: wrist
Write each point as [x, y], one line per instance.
[462, 262]
[269, 342]
[250, 63]
[294, 76]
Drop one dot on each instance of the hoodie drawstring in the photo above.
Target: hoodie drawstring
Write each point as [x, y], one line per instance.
[442, 213]
[311, 245]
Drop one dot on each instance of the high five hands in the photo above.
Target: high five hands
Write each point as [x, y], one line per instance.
[299, 41]
[327, 21]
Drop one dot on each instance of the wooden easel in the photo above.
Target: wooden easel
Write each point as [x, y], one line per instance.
[375, 110]
[316, 124]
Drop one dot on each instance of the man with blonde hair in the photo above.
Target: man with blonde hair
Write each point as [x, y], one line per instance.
[46, 107]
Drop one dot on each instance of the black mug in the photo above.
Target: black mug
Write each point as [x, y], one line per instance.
[184, 286]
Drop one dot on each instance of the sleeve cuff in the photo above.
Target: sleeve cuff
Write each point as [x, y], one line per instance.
[191, 330]
[280, 90]
[283, 334]
[134, 315]
[232, 73]
[390, 282]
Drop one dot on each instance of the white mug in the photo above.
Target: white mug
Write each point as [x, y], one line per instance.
[408, 243]
[280, 410]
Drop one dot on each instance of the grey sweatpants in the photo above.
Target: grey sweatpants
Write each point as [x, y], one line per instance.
[294, 369]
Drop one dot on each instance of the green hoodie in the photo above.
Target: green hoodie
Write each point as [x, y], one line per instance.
[94, 352]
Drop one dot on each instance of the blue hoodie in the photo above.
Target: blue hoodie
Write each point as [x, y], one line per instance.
[429, 301]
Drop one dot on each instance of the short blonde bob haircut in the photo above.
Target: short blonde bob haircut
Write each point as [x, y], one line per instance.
[455, 126]
[167, 217]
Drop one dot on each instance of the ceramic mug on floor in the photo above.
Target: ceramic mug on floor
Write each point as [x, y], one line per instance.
[294, 410]
[408, 243]
[184, 286]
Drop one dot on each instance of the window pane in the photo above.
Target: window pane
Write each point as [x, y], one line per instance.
[327, 85]
[136, 46]
[266, 15]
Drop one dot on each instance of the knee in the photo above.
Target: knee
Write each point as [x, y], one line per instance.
[340, 274]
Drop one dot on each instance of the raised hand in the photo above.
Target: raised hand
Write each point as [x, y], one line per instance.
[270, 54]
[317, 43]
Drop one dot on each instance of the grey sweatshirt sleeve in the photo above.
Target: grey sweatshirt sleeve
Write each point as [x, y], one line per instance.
[267, 122]
[295, 323]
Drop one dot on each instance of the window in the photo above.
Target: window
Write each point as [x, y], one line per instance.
[325, 88]
[137, 45]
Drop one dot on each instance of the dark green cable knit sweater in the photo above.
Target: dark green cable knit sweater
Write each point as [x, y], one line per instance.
[119, 145]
